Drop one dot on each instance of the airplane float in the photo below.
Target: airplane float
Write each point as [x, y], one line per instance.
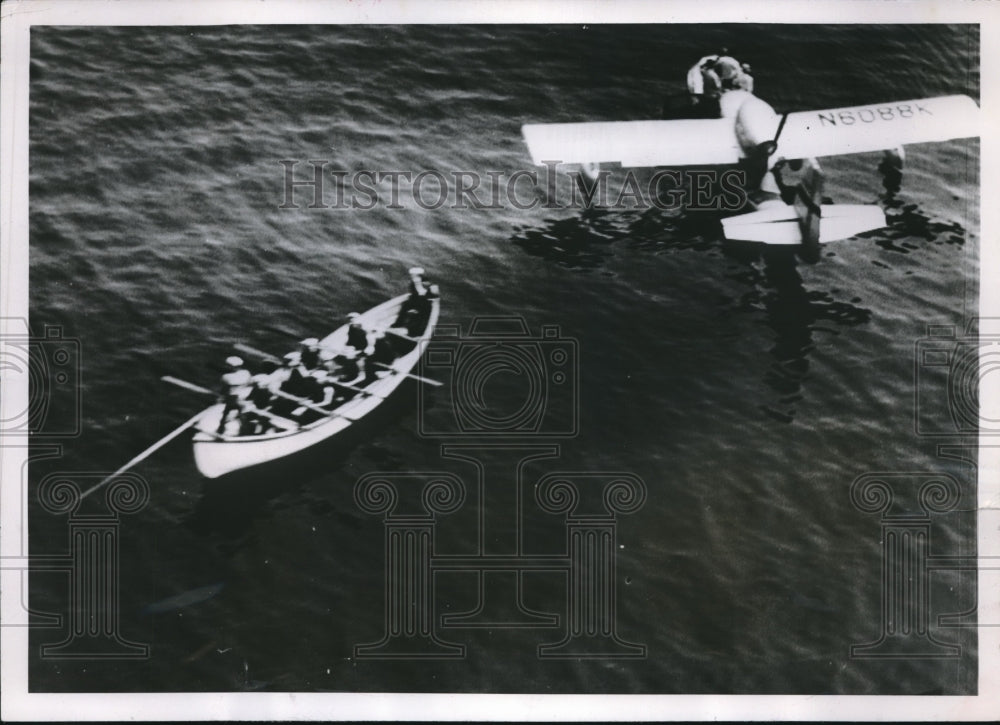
[749, 131]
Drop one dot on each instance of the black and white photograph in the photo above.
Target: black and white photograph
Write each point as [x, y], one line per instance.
[444, 361]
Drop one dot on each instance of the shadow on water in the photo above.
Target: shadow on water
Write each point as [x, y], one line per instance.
[584, 242]
[906, 223]
[792, 313]
[230, 504]
[771, 273]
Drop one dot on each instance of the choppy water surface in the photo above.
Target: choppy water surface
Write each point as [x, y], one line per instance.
[746, 388]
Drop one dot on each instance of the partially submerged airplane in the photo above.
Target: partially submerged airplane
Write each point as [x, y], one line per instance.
[749, 131]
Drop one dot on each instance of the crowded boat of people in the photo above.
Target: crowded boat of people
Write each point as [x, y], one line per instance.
[313, 381]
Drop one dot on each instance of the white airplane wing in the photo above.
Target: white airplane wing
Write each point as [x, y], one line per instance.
[877, 127]
[684, 142]
[803, 134]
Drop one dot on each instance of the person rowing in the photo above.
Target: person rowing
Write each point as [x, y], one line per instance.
[357, 336]
[328, 360]
[261, 398]
[340, 366]
[384, 351]
[350, 367]
[322, 390]
[235, 390]
[292, 379]
[309, 353]
[382, 354]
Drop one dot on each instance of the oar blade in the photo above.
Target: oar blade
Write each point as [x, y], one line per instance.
[186, 385]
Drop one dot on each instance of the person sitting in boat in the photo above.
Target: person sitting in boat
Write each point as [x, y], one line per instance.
[350, 367]
[309, 353]
[298, 382]
[418, 302]
[339, 368]
[318, 392]
[328, 360]
[417, 322]
[326, 386]
[408, 324]
[357, 336]
[294, 380]
[235, 390]
[385, 348]
[417, 288]
[255, 421]
[713, 76]
[383, 354]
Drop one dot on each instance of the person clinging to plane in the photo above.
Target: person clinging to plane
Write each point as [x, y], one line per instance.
[719, 123]
[711, 77]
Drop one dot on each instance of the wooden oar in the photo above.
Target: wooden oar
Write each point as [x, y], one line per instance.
[401, 336]
[278, 420]
[145, 454]
[356, 389]
[273, 358]
[303, 401]
[259, 353]
[418, 378]
[186, 385]
[268, 356]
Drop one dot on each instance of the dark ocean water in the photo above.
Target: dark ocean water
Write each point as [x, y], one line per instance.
[747, 389]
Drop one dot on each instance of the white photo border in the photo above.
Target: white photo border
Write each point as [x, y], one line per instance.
[19, 16]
